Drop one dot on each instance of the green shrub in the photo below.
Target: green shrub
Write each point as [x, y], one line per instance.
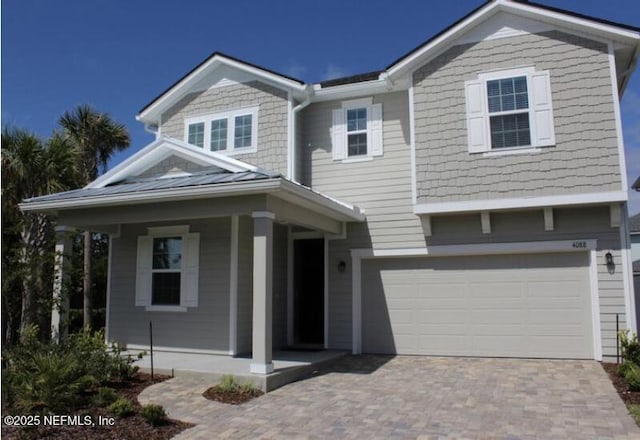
[105, 396]
[56, 377]
[48, 381]
[154, 414]
[629, 346]
[121, 408]
[228, 384]
[248, 388]
[632, 376]
[622, 368]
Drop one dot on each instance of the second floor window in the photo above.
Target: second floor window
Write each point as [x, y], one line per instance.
[233, 132]
[509, 110]
[357, 131]
[508, 101]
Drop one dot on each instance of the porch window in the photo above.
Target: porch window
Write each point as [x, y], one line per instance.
[168, 269]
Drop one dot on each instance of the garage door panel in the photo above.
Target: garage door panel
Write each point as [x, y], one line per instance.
[511, 305]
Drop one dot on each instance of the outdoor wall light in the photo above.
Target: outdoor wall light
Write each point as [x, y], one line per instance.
[342, 266]
[608, 258]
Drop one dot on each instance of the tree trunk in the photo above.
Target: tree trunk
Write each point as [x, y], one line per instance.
[86, 287]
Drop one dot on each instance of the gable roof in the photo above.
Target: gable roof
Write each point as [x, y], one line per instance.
[433, 46]
[560, 17]
[159, 150]
[179, 88]
[636, 184]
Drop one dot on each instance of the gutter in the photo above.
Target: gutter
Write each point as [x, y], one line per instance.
[268, 186]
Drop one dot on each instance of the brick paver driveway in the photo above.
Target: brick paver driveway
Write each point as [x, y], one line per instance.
[416, 397]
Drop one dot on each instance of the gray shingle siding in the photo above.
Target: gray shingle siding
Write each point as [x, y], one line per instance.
[585, 158]
[272, 118]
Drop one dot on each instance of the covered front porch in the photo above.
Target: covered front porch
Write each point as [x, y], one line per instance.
[288, 365]
[207, 256]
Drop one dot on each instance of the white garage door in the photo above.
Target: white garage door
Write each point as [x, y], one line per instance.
[504, 305]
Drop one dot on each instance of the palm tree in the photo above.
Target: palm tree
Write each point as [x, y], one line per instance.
[30, 169]
[97, 137]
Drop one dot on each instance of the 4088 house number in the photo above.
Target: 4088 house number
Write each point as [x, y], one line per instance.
[579, 245]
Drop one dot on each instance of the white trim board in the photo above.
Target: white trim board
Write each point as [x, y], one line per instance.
[583, 245]
[520, 203]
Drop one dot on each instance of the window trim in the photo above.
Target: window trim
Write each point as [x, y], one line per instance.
[536, 106]
[230, 116]
[366, 131]
[374, 129]
[181, 231]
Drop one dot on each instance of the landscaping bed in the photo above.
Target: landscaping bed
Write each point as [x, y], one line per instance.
[630, 397]
[134, 426]
[231, 392]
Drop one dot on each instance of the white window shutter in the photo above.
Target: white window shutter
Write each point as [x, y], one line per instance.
[190, 270]
[543, 133]
[375, 121]
[143, 271]
[477, 130]
[339, 135]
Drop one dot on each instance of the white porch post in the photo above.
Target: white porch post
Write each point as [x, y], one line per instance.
[262, 291]
[60, 309]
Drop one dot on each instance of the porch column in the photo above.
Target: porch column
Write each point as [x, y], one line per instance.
[62, 265]
[262, 291]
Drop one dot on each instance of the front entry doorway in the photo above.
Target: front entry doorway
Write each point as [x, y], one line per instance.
[308, 293]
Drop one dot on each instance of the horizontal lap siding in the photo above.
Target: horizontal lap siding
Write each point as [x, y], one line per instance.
[272, 118]
[382, 187]
[205, 327]
[585, 158]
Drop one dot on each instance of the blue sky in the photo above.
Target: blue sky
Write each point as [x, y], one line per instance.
[118, 55]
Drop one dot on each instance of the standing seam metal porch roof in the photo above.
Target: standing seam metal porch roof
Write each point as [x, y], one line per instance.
[134, 185]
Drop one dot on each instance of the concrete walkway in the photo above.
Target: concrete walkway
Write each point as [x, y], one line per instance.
[415, 397]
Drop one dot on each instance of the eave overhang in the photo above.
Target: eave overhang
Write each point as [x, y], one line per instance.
[278, 187]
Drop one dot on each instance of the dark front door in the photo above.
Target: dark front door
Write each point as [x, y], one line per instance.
[308, 286]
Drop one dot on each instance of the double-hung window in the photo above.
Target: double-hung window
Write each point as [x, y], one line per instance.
[167, 269]
[509, 110]
[232, 132]
[357, 130]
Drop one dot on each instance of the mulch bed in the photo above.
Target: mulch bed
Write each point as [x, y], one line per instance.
[231, 397]
[627, 396]
[133, 427]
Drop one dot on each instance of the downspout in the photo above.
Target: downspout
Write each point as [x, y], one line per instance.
[152, 128]
[294, 112]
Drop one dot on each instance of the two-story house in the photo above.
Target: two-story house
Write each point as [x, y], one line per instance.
[468, 199]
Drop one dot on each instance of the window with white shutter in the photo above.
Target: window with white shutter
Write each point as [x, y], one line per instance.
[168, 269]
[357, 131]
[509, 110]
